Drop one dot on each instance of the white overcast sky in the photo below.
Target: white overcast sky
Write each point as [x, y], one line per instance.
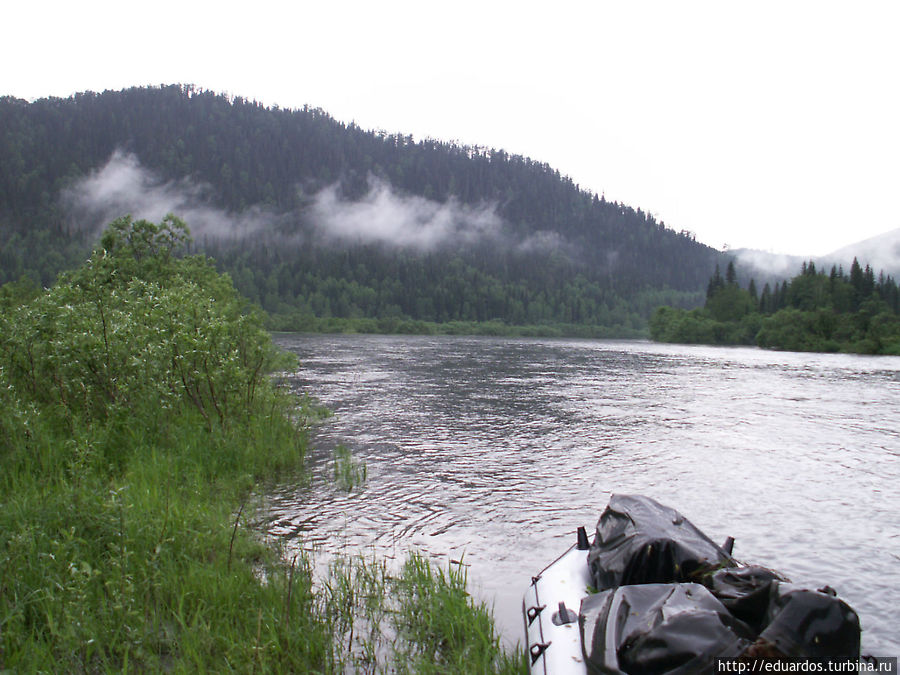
[772, 125]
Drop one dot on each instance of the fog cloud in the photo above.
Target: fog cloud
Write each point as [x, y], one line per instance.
[122, 186]
[778, 265]
[544, 241]
[881, 253]
[407, 221]
[382, 216]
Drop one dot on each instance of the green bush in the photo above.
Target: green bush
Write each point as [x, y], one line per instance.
[135, 325]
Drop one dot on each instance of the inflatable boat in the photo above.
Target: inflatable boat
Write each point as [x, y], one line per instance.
[550, 610]
[653, 594]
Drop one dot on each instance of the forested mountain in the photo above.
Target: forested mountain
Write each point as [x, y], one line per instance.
[314, 217]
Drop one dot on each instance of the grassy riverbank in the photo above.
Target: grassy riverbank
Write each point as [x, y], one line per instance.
[136, 416]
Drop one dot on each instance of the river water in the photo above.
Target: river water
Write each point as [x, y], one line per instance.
[495, 450]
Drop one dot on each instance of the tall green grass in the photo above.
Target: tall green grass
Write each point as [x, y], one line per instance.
[441, 630]
[136, 567]
[136, 417]
[418, 619]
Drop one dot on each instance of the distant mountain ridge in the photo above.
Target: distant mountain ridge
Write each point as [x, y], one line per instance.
[319, 218]
[881, 253]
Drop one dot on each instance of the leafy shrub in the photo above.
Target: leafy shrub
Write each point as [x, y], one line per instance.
[139, 323]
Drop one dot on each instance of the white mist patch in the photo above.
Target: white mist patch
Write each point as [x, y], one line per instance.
[882, 253]
[546, 241]
[122, 186]
[774, 264]
[405, 221]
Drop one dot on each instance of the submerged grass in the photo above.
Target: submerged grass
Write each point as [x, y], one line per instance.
[134, 425]
[349, 472]
[441, 629]
[419, 619]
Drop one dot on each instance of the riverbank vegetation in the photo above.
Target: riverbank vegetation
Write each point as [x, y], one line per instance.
[814, 311]
[397, 326]
[137, 413]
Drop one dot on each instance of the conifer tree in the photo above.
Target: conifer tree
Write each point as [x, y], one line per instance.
[765, 300]
[715, 283]
[730, 274]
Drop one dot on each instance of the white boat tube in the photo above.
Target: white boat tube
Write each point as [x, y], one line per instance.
[550, 610]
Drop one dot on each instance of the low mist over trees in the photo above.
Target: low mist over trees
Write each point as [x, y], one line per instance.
[304, 212]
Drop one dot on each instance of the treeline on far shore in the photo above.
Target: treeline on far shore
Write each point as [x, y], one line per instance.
[297, 323]
[814, 311]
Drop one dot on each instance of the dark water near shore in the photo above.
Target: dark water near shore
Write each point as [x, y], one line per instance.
[497, 449]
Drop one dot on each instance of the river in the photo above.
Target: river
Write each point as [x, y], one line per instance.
[494, 450]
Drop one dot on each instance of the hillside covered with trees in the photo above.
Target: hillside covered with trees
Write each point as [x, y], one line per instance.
[520, 243]
[814, 311]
